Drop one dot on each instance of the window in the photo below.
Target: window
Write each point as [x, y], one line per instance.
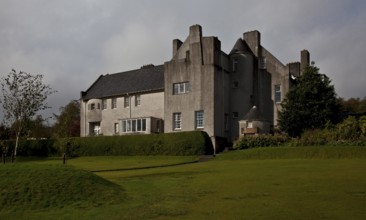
[235, 114]
[114, 103]
[116, 128]
[277, 93]
[262, 63]
[134, 125]
[104, 104]
[235, 64]
[94, 129]
[126, 102]
[98, 106]
[181, 88]
[249, 124]
[137, 100]
[199, 118]
[235, 84]
[92, 106]
[177, 121]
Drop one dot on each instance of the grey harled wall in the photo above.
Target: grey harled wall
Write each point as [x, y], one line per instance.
[197, 69]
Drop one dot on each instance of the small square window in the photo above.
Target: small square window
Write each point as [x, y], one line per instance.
[235, 84]
[235, 114]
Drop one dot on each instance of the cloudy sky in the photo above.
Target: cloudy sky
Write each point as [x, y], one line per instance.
[72, 42]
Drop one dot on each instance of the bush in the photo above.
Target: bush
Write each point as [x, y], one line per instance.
[349, 132]
[182, 143]
[247, 142]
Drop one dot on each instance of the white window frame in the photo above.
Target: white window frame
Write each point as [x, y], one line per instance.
[177, 121]
[135, 125]
[181, 88]
[277, 93]
[249, 124]
[199, 119]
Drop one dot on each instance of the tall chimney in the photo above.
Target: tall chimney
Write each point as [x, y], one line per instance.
[176, 45]
[305, 59]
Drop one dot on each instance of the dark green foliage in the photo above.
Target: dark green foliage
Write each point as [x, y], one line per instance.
[68, 122]
[182, 143]
[350, 131]
[309, 105]
[247, 142]
[38, 148]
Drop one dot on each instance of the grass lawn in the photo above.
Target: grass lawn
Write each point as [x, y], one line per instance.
[234, 185]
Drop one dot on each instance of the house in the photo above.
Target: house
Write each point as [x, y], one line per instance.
[200, 88]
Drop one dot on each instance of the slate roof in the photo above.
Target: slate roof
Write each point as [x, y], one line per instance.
[146, 79]
[240, 47]
[254, 115]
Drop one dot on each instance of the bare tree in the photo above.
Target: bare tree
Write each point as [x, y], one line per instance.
[23, 95]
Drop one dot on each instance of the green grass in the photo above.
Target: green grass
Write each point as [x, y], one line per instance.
[31, 186]
[266, 183]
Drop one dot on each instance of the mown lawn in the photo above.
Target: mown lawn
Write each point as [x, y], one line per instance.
[231, 186]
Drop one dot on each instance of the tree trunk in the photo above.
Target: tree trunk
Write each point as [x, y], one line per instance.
[17, 141]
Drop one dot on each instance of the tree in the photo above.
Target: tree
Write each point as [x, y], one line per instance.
[23, 95]
[68, 122]
[310, 104]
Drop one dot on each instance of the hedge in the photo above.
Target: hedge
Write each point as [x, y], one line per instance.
[181, 143]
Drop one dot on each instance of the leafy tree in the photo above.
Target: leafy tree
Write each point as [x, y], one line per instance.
[23, 95]
[310, 104]
[4, 132]
[68, 122]
[353, 105]
[36, 128]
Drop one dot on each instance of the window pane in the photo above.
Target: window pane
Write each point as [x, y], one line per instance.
[143, 125]
[181, 88]
[277, 93]
[124, 126]
[138, 124]
[187, 87]
[133, 125]
[128, 125]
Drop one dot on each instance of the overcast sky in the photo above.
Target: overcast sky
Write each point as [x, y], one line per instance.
[72, 42]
